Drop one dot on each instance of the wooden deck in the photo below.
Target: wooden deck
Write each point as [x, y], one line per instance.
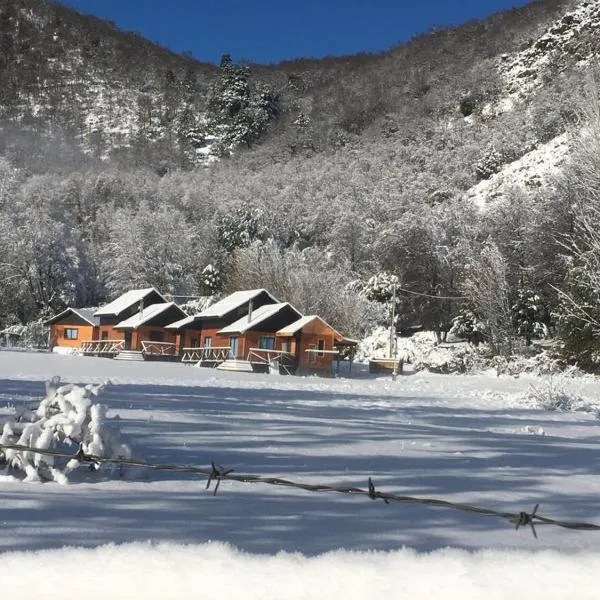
[272, 360]
[206, 357]
[101, 347]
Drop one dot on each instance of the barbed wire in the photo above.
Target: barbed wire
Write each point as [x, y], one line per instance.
[217, 473]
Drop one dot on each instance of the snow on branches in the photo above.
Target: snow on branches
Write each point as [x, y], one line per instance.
[68, 415]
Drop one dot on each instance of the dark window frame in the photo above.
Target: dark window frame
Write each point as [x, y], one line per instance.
[71, 333]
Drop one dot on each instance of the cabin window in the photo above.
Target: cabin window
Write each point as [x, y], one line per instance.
[321, 347]
[71, 334]
[157, 336]
[266, 342]
[104, 335]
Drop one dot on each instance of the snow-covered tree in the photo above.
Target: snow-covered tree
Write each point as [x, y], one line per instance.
[239, 228]
[69, 416]
[238, 112]
[486, 288]
[469, 326]
[149, 246]
[211, 280]
[380, 287]
[530, 316]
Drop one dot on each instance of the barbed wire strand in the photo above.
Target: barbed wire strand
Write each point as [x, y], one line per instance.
[217, 473]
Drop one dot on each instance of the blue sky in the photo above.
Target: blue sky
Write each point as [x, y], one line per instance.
[267, 31]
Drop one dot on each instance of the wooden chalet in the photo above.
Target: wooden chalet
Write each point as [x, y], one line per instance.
[72, 327]
[253, 338]
[145, 330]
[131, 326]
[123, 307]
[313, 344]
[197, 335]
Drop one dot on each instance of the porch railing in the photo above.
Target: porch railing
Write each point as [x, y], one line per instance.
[158, 348]
[213, 355]
[106, 347]
[272, 358]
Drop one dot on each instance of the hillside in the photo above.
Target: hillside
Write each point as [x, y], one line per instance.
[308, 177]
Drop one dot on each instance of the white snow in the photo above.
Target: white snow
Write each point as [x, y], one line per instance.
[231, 302]
[258, 316]
[125, 301]
[145, 315]
[530, 173]
[479, 439]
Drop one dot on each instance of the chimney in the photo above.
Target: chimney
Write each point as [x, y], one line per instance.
[250, 307]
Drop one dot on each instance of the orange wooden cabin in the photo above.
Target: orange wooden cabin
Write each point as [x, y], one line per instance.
[254, 335]
[121, 309]
[73, 326]
[313, 343]
[197, 335]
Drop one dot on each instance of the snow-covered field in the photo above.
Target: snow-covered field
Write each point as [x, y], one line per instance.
[476, 439]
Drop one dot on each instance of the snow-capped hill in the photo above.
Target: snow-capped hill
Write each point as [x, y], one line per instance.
[530, 173]
[572, 38]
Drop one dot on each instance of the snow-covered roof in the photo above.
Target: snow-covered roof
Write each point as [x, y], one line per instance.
[182, 323]
[258, 316]
[144, 316]
[125, 301]
[296, 326]
[87, 314]
[231, 302]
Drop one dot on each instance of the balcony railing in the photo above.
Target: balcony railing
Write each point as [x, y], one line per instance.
[272, 358]
[158, 348]
[103, 347]
[210, 356]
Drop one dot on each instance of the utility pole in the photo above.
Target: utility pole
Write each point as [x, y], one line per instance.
[392, 324]
[393, 334]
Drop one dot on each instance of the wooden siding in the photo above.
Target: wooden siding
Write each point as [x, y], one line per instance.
[108, 332]
[251, 339]
[312, 360]
[85, 333]
[144, 334]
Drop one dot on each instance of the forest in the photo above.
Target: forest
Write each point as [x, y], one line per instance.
[328, 182]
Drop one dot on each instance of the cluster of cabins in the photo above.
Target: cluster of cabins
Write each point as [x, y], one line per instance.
[247, 330]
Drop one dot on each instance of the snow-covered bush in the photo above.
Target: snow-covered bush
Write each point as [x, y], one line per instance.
[468, 326]
[491, 162]
[32, 335]
[554, 394]
[67, 416]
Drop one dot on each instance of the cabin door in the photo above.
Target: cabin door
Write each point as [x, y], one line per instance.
[233, 346]
[128, 340]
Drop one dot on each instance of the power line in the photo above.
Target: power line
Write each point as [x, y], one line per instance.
[431, 295]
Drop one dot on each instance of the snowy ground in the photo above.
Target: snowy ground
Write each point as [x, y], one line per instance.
[476, 439]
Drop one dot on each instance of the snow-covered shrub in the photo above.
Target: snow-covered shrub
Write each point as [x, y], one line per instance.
[34, 335]
[67, 416]
[468, 326]
[491, 162]
[555, 395]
